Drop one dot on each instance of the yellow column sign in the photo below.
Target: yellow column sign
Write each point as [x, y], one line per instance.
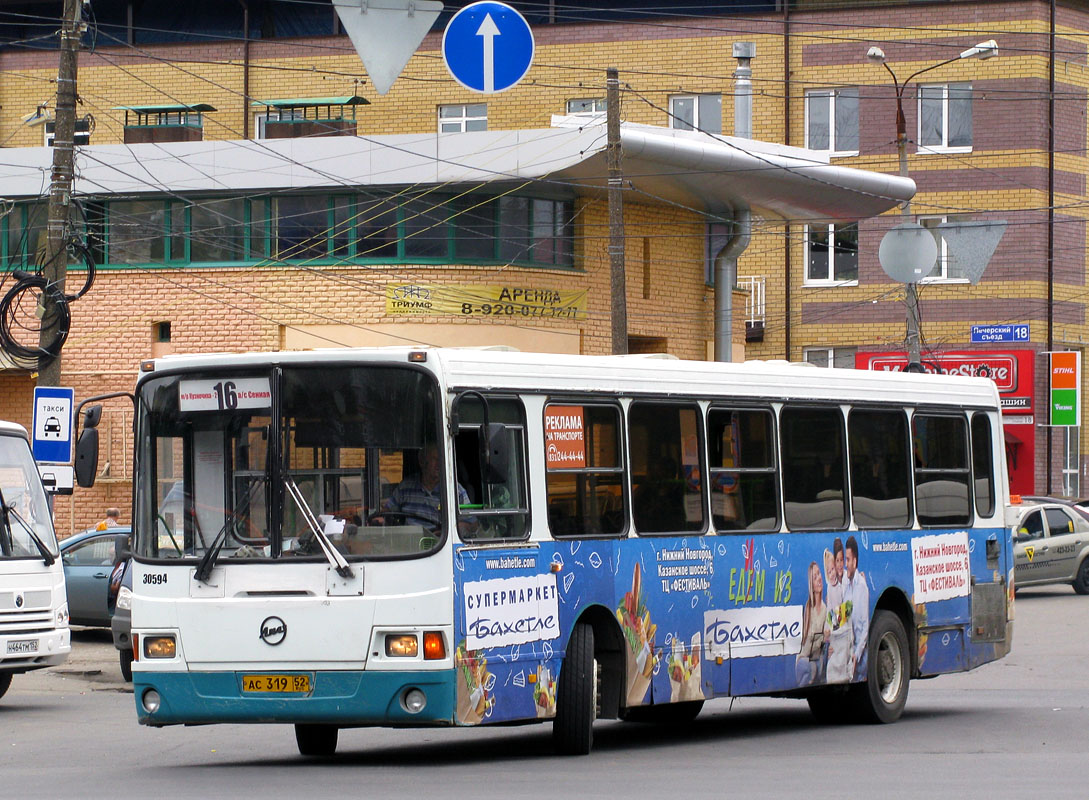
[511, 302]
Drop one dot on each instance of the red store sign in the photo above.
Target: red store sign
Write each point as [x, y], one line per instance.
[1012, 371]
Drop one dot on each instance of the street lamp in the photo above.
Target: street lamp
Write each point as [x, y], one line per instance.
[982, 51]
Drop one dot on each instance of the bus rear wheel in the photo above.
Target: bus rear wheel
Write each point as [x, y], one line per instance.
[5, 682]
[316, 740]
[881, 698]
[576, 698]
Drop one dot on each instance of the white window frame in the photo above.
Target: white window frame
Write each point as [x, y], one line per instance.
[457, 117]
[597, 107]
[829, 96]
[830, 355]
[943, 146]
[281, 115]
[697, 122]
[830, 275]
[943, 261]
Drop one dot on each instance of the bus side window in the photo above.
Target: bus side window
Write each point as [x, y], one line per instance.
[942, 469]
[667, 484]
[584, 472]
[741, 449]
[814, 478]
[498, 506]
[983, 465]
[880, 470]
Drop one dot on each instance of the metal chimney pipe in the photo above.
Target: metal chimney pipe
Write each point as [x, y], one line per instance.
[744, 52]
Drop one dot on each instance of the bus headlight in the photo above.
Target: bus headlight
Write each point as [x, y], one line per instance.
[160, 646]
[124, 598]
[403, 645]
[62, 616]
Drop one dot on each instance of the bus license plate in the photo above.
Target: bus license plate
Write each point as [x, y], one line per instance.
[23, 646]
[283, 684]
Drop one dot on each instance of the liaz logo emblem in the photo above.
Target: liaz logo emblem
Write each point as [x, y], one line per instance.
[1030, 552]
[273, 631]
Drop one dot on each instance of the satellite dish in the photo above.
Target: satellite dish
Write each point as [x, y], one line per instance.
[908, 252]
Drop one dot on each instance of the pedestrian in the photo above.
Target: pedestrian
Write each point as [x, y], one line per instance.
[111, 520]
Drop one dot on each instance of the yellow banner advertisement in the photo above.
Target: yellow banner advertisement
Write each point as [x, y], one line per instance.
[485, 301]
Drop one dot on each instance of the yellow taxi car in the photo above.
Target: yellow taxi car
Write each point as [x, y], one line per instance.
[1050, 545]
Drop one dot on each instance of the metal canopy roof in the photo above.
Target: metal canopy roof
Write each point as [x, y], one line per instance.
[299, 102]
[167, 109]
[711, 174]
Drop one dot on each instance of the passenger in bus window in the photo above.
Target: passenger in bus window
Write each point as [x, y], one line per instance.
[809, 666]
[858, 594]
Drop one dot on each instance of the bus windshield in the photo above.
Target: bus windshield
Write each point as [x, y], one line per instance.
[26, 525]
[292, 462]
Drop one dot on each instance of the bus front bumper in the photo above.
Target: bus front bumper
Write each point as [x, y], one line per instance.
[346, 698]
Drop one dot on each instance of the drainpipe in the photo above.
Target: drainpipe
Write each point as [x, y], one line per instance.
[726, 259]
[245, 68]
[725, 281]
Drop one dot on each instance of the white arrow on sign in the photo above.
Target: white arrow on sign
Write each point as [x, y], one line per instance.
[489, 30]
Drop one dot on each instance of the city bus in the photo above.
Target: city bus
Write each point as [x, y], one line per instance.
[455, 537]
[34, 629]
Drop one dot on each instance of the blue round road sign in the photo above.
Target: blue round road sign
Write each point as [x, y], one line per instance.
[488, 47]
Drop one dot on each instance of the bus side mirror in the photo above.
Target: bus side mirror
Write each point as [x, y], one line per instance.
[495, 452]
[87, 447]
[87, 457]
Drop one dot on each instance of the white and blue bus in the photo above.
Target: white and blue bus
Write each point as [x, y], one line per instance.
[34, 630]
[437, 537]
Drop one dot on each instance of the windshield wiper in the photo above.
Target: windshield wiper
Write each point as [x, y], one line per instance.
[208, 560]
[7, 512]
[331, 553]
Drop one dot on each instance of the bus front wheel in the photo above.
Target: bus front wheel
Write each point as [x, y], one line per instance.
[316, 740]
[576, 698]
[5, 682]
[881, 698]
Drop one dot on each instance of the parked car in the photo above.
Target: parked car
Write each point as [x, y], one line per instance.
[119, 600]
[1081, 506]
[1050, 545]
[88, 558]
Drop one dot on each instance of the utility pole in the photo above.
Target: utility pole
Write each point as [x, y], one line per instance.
[55, 267]
[618, 282]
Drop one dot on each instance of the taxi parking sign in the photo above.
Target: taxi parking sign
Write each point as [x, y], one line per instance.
[53, 424]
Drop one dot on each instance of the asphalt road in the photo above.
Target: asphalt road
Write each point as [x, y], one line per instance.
[1015, 728]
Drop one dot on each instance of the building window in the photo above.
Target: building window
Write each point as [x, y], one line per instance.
[831, 254]
[701, 112]
[587, 107]
[463, 118]
[836, 357]
[281, 115]
[831, 121]
[81, 134]
[528, 231]
[945, 269]
[945, 117]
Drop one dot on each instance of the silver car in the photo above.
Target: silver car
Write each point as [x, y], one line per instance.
[1050, 545]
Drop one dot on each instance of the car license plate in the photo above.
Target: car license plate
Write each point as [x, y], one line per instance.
[283, 684]
[23, 646]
